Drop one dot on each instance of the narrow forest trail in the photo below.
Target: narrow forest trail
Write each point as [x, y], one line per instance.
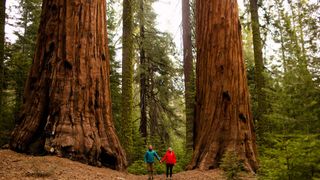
[19, 166]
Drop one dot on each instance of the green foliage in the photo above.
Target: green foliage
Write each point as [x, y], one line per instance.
[290, 147]
[182, 154]
[163, 82]
[138, 167]
[6, 123]
[18, 59]
[290, 142]
[291, 157]
[22, 51]
[290, 112]
[182, 161]
[115, 76]
[139, 147]
[231, 165]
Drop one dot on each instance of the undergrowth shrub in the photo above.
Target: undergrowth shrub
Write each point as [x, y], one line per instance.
[231, 165]
[290, 157]
[139, 167]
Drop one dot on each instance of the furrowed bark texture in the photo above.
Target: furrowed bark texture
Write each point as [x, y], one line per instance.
[188, 73]
[127, 76]
[223, 119]
[67, 106]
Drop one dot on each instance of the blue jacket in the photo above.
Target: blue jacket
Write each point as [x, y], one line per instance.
[149, 156]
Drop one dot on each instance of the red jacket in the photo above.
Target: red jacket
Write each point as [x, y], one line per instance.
[169, 158]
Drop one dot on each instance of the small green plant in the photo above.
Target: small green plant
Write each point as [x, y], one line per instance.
[139, 167]
[231, 164]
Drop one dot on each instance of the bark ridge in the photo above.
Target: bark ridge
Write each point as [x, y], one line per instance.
[67, 105]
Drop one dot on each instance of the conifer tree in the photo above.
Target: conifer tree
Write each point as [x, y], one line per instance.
[259, 65]
[223, 117]
[67, 107]
[127, 76]
[157, 74]
[188, 73]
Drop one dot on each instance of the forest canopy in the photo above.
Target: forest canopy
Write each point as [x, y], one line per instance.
[167, 88]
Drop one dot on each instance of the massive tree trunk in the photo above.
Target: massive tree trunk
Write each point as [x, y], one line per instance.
[127, 76]
[259, 65]
[67, 106]
[223, 119]
[2, 41]
[143, 77]
[188, 73]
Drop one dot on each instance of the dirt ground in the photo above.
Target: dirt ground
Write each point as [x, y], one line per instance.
[20, 166]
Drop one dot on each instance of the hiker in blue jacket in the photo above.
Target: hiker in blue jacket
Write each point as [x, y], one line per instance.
[149, 159]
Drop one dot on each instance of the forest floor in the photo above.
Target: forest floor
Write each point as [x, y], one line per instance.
[20, 166]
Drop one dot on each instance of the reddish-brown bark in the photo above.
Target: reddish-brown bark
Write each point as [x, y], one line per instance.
[223, 119]
[67, 106]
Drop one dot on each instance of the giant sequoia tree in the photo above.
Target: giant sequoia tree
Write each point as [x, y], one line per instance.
[67, 106]
[223, 119]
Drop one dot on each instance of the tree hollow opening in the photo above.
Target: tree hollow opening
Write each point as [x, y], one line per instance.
[108, 160]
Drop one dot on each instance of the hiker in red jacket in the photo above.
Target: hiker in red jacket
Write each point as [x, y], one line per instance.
[170, 159]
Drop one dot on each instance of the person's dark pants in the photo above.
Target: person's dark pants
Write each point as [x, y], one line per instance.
[169, 168]
[150, 170]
